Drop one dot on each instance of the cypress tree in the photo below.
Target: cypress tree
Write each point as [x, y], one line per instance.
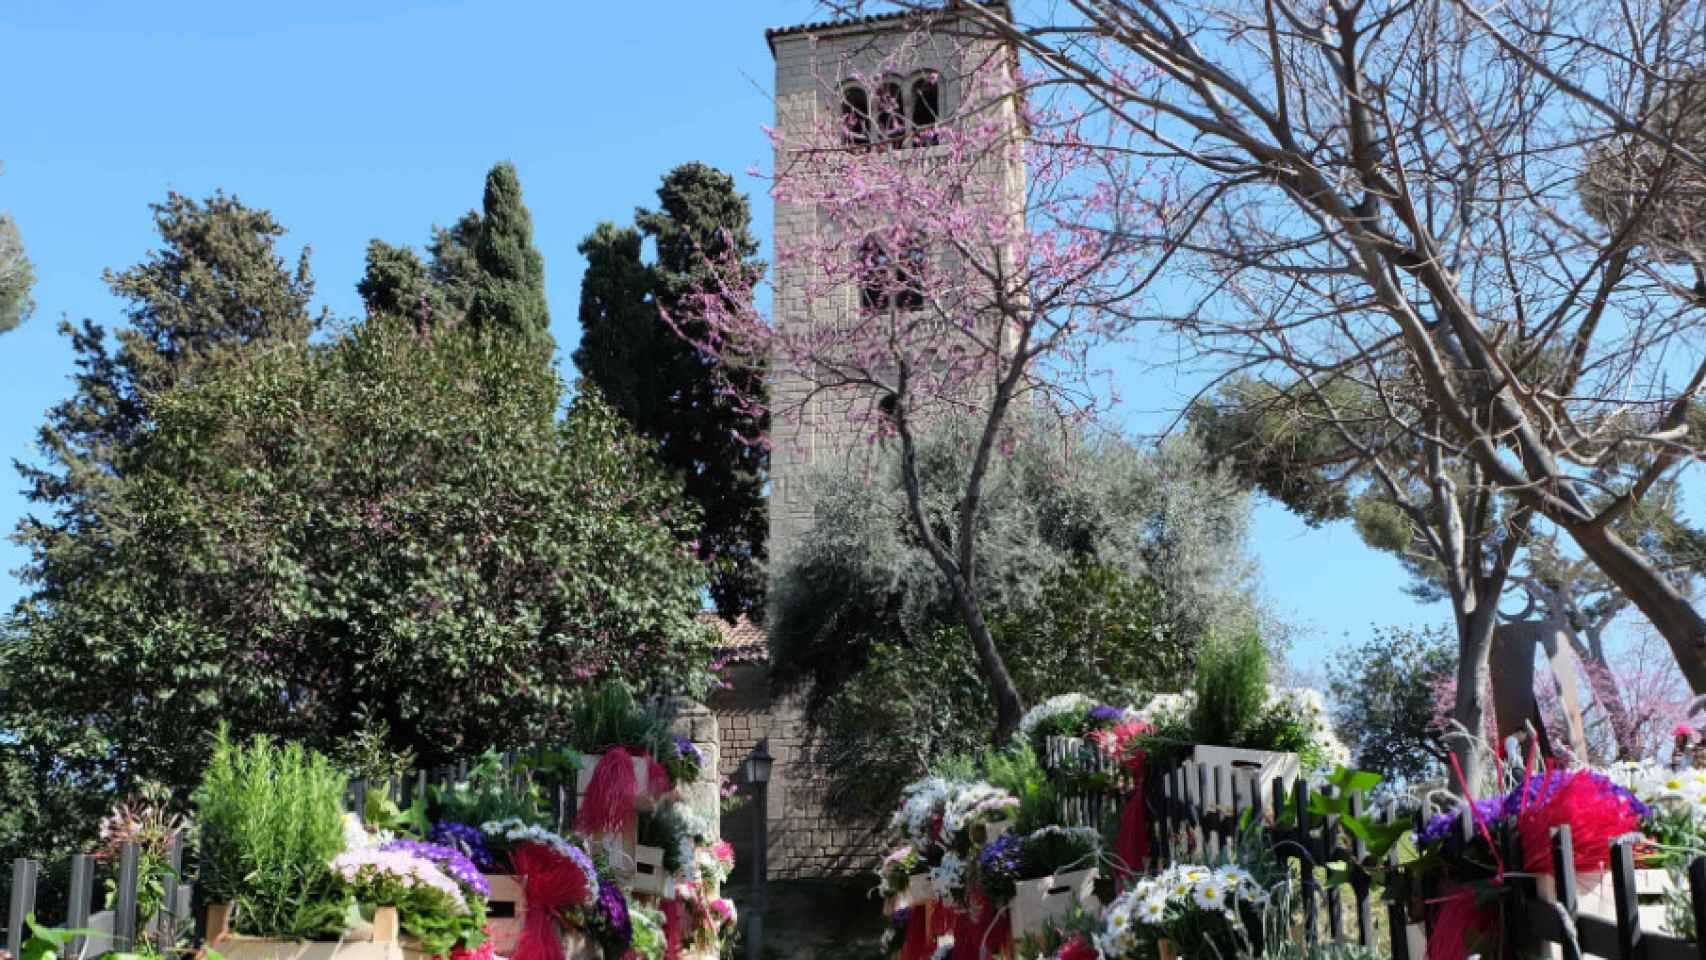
[510, 292]
[658, 382]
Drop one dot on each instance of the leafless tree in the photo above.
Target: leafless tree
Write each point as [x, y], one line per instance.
[1487, 199]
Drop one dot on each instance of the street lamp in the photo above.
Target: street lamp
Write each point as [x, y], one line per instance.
[757, 768]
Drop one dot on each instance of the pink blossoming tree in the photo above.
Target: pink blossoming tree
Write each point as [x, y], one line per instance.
[966, 265]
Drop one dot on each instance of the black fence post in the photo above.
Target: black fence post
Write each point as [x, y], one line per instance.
[1304, 854]
[1624, 897]
[82, 891]
[124, 904]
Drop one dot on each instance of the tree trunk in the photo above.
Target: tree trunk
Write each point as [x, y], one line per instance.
[1008, 707]
[1475, 624]
[1665, 607]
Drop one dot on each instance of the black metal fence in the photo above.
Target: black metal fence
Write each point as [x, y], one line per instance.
[1540, 914]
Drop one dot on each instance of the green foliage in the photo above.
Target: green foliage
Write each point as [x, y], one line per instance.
[486, 794]
[1053, 850]
[1162, 518]
[424, 913]
[397, 284]
[1230, 687]
[664, 828]
[657, 380]
[1383, 699]
[914, 705]
[509, 294]
[271, 824]
[608, 716]
[17, 276]
[1018, 771]
[385, 520]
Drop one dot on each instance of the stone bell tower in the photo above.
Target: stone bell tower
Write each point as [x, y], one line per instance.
[890, 80]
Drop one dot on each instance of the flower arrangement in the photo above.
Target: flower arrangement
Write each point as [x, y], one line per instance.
[453, 862]
[1196, 907]
[431, 906]
[468, 839]
[716, 862]
[898, 866]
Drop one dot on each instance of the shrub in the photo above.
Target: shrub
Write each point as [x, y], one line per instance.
[1230, 687]
[271, 824]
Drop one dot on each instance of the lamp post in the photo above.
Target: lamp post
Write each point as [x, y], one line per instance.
[757, 768]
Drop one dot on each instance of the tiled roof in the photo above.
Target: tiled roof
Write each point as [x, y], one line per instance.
[947, 6]
[742, 641]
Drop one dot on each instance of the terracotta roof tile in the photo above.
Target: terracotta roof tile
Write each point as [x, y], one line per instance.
[742, 641]
[948, 6]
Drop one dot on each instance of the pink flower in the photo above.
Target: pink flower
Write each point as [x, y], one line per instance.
[724, 850]
[1682, 730]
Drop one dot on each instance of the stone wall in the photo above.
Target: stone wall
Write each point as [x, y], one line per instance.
[807, 840]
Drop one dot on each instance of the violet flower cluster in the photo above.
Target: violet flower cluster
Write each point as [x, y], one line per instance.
[688, 751]
[1495, 812]
[467, 838]
[998, 862]
[1101, 714]
[452, 861]
[612, 913]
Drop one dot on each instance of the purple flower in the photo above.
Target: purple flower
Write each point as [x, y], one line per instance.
[687, 750]
[1101, 714]
[468, 839]
[1487, 813]
[452, 861]
[999, 861]
[613, 914]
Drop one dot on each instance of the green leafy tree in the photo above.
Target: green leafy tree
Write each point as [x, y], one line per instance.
[397, 283]
[1093, 629]
[1383, 693]
[389, 526]
[17, 276]
[862, 579]
[216, 289]
[665, 387]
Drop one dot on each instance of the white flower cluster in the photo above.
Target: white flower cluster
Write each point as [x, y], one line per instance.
[919, 803]
[1158, 900]
[698, 827]
[514, 830]
[1304, 702]
[948, 877]
[1053, 707]
[1656, 785]
[968, 803]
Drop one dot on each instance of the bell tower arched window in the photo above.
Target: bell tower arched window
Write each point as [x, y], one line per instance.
[890, 278]
[898, 111]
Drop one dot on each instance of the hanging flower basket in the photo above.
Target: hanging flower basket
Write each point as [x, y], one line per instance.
[380, 940]
[1035, 902]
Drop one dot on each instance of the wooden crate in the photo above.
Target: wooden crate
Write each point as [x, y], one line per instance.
[506, 908]
[647, 875]
[1037, 901]
[380, 941]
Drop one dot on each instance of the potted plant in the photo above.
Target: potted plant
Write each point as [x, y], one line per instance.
[1055, 872]
[271, 826]
[1188, 910]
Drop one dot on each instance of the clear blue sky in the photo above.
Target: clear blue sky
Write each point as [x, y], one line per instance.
[351, 120]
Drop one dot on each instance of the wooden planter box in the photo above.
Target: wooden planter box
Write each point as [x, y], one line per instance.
[647, 875]
[1594, 896]
[918, 890]
[1240, 767]
[1037, 901]
[382, 941]
[506, 909]
[989, 831]
[589, 763]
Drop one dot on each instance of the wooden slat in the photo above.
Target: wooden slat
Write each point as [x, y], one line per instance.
[1624, 899]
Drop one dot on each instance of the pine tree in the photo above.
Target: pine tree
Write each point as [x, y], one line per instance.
[398, 284]
[215, 289]
[510, 291]
[659, 383]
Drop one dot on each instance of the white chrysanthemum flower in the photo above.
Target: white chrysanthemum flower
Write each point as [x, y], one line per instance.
[1210, 894]
[1053, 707]
[1152, 910]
